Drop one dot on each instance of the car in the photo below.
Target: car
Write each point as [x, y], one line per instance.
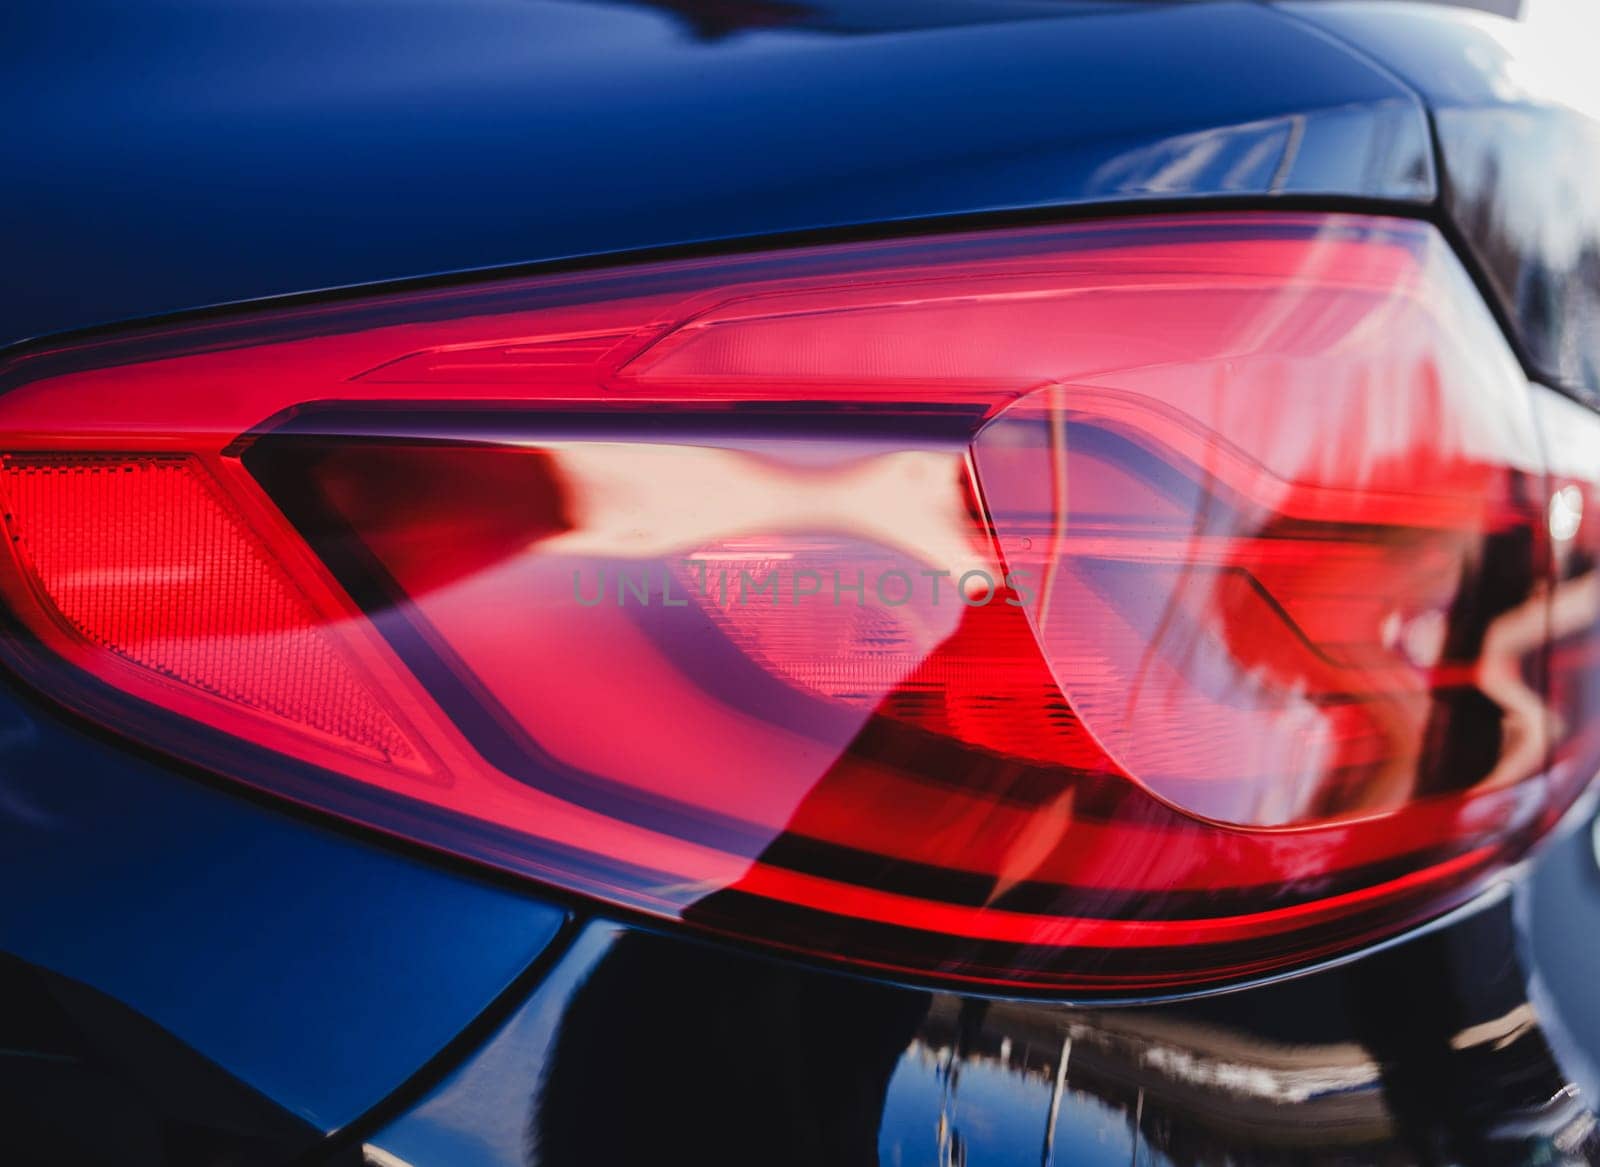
[891, 582]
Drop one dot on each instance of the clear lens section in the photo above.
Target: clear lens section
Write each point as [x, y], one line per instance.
[1104, 607]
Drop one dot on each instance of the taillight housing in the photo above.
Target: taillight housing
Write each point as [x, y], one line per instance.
[1115, 606]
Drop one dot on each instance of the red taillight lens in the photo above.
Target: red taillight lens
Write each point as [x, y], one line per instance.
[1110, 606]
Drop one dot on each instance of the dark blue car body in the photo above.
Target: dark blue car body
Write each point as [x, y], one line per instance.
[197, 975]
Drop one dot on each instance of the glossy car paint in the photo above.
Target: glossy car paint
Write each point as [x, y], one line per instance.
[1431, 1051]
[173, 156]
[273, 947]
[169, 156]
[1520, 152]
[87, 1079]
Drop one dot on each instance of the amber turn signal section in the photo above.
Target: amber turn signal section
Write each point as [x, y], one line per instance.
[1102, 608]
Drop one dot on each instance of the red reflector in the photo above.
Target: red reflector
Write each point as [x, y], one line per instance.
[1114, 606]
[150, 570]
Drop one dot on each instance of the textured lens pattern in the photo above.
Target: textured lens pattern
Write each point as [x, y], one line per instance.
[143, 558]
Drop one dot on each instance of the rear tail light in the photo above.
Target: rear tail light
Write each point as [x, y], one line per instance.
[1116, 606]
